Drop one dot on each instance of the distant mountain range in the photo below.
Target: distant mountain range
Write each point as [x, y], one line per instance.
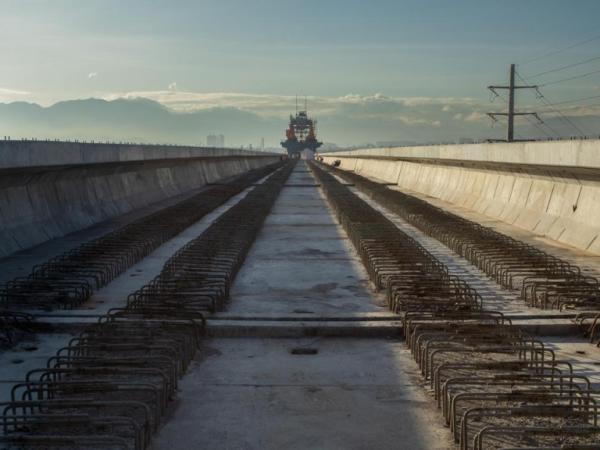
[139, 120]
[144, 120]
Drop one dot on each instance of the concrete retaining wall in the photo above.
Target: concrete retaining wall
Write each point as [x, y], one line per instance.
[549, 188]
[51, 189]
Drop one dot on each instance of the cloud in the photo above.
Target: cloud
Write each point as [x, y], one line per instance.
[476, 116]
[410, 110]
[347, 118]
[10, 95]
[6, 91]
[92, 75]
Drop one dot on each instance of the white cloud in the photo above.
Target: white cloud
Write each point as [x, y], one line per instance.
[6, 91]
[475, 116]
[92, 75]
[410, 110]
[350, 117]
[11, 95]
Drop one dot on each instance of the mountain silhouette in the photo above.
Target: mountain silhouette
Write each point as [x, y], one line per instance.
[139, 120]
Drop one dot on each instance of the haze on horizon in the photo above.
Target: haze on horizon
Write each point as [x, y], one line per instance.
[385, 70]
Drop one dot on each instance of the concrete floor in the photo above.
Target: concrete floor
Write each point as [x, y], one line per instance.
[253, 394]
[20, 263]
[589, 262]
[302, 261]
[557, 332]
[33, 353]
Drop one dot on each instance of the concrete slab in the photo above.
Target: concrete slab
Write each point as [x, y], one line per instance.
[584, 357]
[254, 394]
[20, 263]
[25, 356]
[305, 328]
[589, 263]
[302, 261]
[494, 296]
[65, 324]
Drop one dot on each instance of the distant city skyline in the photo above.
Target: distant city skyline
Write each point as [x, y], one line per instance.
[395, 68]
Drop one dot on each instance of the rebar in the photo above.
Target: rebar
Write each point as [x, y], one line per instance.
[496, 386]
[69, 279]
[110, 387]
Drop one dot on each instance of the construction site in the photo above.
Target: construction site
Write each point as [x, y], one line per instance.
[409, 259]
[443, 297]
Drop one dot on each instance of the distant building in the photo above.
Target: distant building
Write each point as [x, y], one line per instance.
[215, 140]
[211, 140]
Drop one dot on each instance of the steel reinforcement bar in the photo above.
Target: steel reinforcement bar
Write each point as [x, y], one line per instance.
[110, 386]
[543, 280]
[69, 279]
[496, 386]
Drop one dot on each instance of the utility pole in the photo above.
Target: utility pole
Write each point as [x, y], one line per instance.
[510, 135]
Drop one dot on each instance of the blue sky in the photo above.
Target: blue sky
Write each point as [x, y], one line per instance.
[63, 49]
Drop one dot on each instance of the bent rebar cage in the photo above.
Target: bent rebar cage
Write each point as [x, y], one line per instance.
[111, 385]
[69, 279]
[496, 386]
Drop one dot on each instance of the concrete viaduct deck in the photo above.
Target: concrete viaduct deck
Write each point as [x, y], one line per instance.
[297, 344]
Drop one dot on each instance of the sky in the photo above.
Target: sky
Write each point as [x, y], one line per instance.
[404, 60]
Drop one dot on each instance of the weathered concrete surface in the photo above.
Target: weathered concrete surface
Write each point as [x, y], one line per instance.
[48, 190]
[534, 321]
[20, 263]
[549, 188]
[253, 394]
[302, 261]
[43, 154]
[63, 325]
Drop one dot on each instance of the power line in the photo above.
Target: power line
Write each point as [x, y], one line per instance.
[537, 124]
[555, 52]
[576, 77]
[534, 123]
[577, 100]
[558, 69]
[549, 104]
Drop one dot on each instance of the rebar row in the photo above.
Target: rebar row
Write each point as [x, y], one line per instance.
[543, 280]
[69, 279]
[200, 273]
[110, 386]
[497, 387]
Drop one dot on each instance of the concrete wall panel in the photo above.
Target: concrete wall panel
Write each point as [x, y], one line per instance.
[549, 188]
[48, 189]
